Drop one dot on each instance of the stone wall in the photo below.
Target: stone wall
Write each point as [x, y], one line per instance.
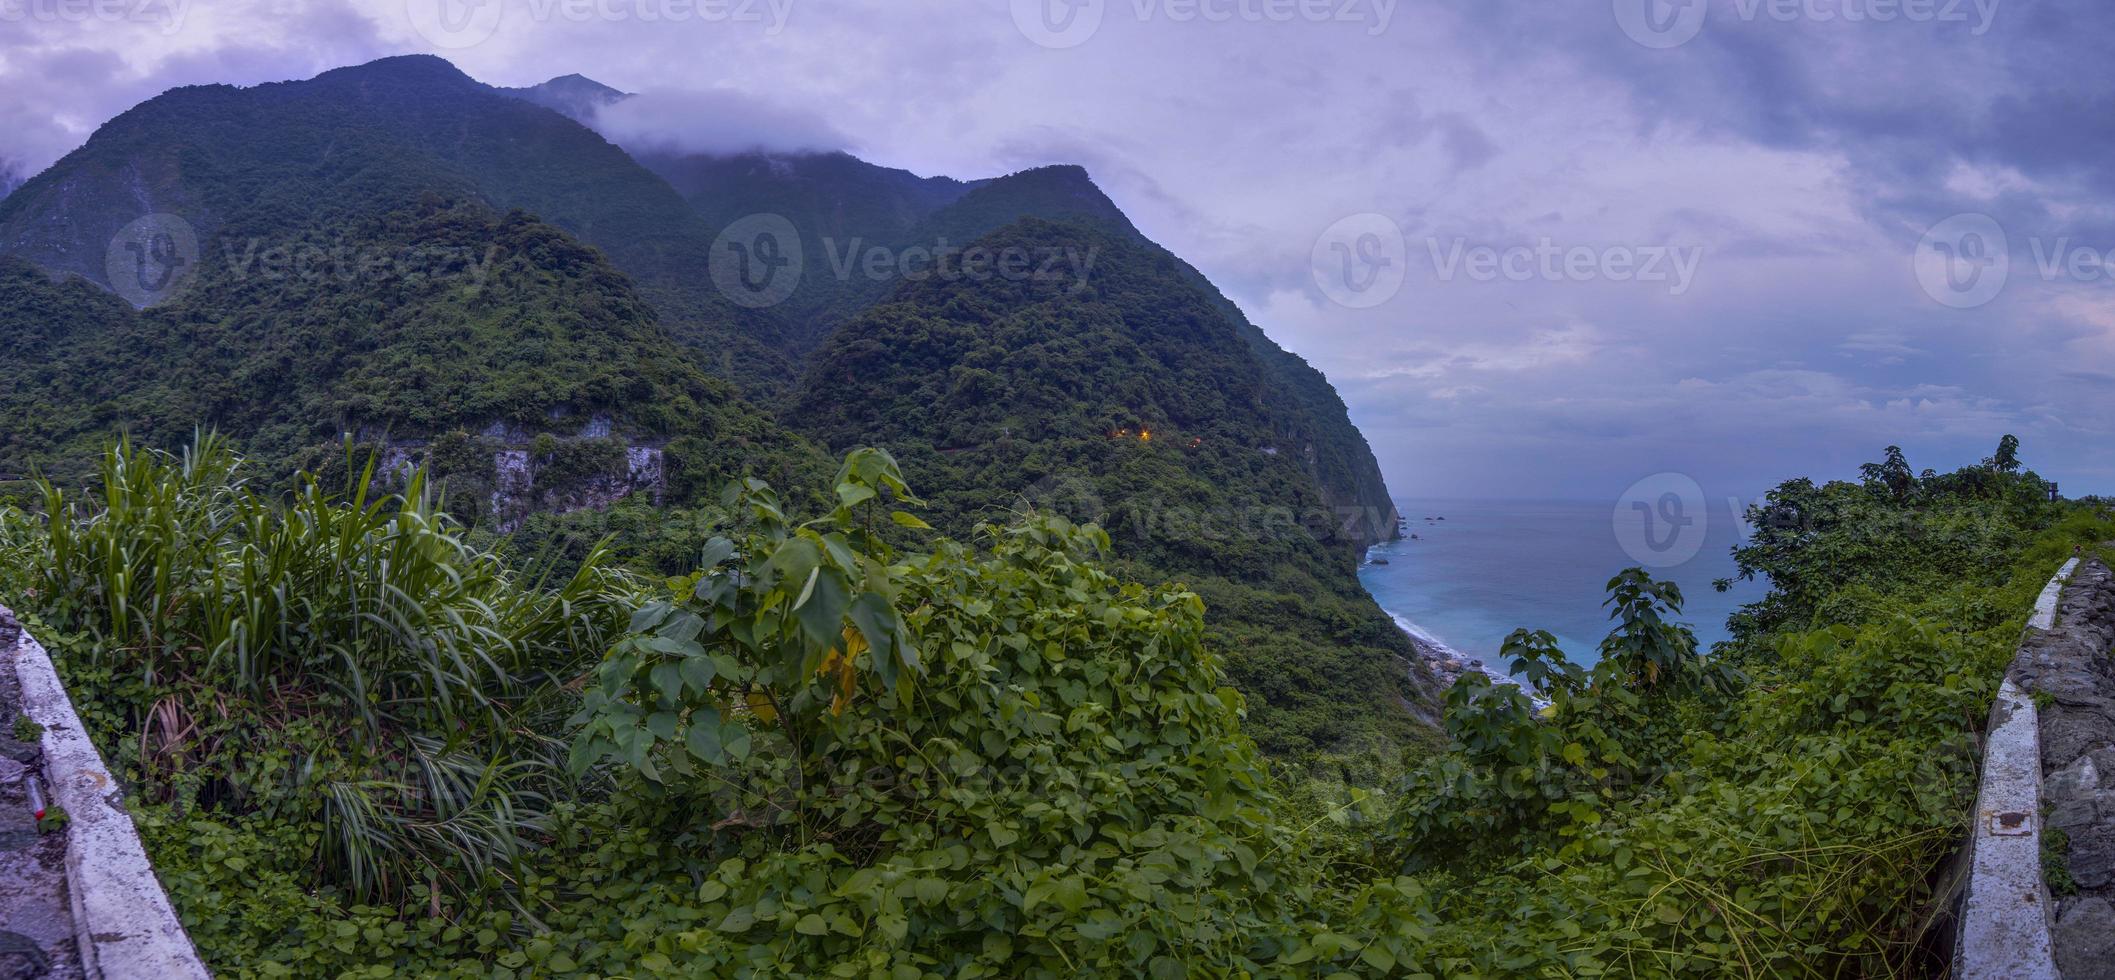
[2040, 897]
[2067, 670]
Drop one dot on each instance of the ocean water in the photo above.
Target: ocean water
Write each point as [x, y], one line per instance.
[1492, 566]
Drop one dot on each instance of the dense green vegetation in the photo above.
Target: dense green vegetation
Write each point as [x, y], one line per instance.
[504, 321]
[339, 664]
[1126, 397]
[444, 271]
[1779, 807]
[841, 208]
[845, 745]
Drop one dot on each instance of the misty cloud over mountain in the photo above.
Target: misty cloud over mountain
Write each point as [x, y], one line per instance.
[717, 122]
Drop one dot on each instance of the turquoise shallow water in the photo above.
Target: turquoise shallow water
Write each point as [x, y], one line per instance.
[1492, 566]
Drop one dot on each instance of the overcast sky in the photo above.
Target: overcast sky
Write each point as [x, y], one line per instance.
[1542, 248]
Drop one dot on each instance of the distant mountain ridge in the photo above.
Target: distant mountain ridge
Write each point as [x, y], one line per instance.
[576, 96]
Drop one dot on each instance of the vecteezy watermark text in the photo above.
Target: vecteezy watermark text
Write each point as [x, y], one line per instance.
[1362, 260]
[457, 24]
[158, 255]
[1069, 23]
[1546, 260]
[167, 14]
[759, 261]
[258, 260]
[1966, 260]
[1672, 23]
[976, 263]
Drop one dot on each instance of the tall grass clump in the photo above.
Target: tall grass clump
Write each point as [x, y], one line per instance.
[337, 658]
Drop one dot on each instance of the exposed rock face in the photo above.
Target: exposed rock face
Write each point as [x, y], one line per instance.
[531, 472]
[2085, 940]
[512, 481]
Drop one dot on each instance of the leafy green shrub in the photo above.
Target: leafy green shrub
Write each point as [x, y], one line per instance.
[1522, 774]
[970, 764]
[340, 660]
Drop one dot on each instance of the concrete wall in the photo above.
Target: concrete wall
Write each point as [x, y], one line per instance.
[123, 923]
[2044, 802]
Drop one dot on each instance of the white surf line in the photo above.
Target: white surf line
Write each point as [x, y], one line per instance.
[1443, 651]
[2044, 617]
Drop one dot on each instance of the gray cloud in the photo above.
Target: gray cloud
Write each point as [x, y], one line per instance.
[1801, 159]
[720, 122]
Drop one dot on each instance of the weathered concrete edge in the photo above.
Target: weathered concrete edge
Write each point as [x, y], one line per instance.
[123, 919]
[2005, 919]
[2044, 617]
[2005, 929]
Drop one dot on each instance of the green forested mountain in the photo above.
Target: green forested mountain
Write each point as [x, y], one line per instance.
[840, 206]
[502, 323]
[1128, 397]
[844, 208]
[274, 162]
[401, 254]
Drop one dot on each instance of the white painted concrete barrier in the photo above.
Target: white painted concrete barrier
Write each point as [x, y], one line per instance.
[2005, 918]
[2045, 607]
[121, 916]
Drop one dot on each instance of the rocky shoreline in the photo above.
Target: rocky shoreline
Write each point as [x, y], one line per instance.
[1448, 665]
[1445, 663]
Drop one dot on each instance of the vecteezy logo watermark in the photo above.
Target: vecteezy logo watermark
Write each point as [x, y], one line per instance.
[168, 14]
[1360, 261]
[1660, 23]
[1057, 23]
[457, 24]
[756, 260]
[1069, 23]
[151, 259]
[1660, 520]
[1963, 261]
[1665, 24]
[1068, 495]
[1546, 260]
